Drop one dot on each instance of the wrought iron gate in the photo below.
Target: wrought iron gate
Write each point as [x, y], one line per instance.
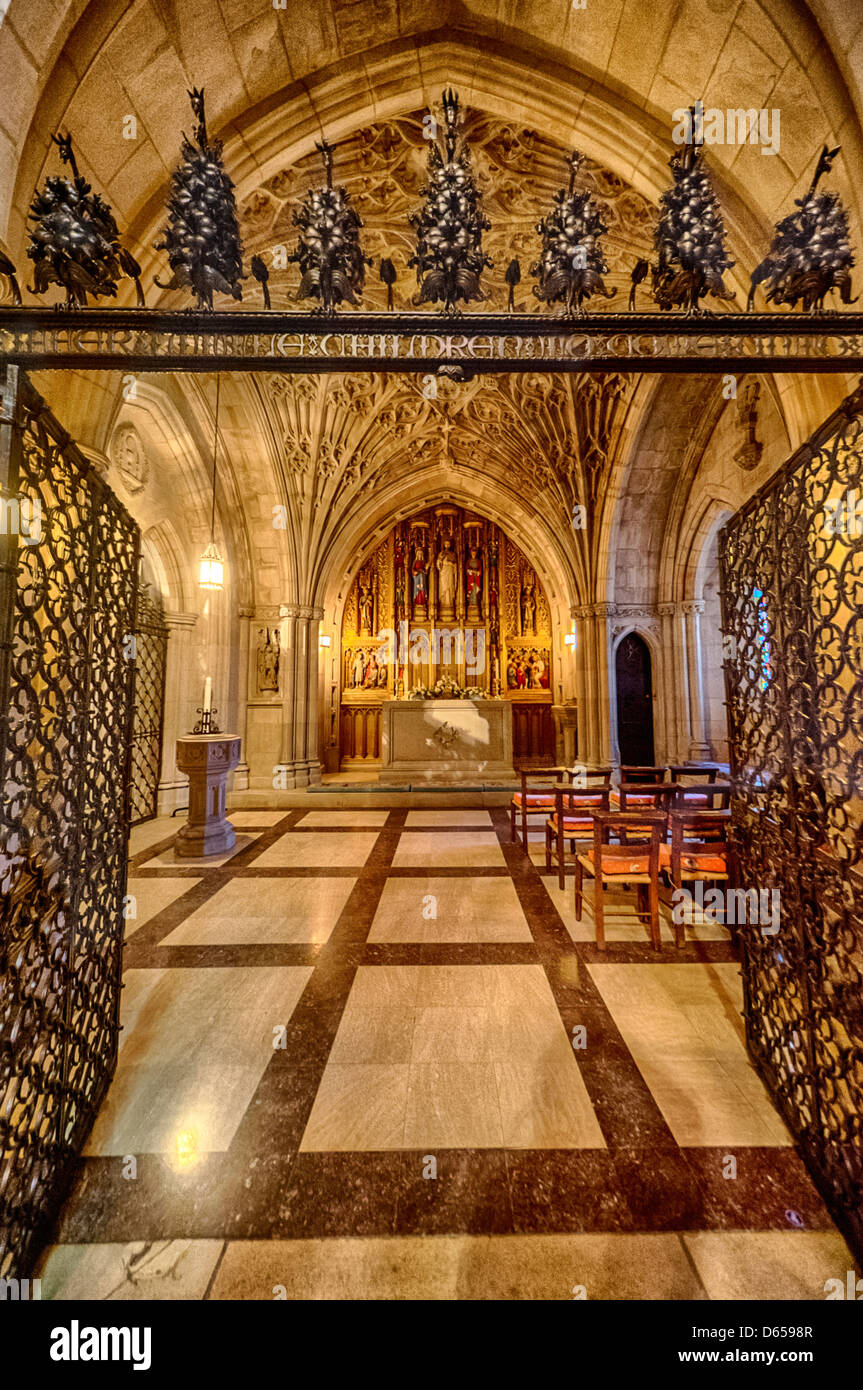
[151, 649]
[792, 599]
[68, 581]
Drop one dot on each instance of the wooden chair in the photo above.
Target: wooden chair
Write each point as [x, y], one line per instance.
[631, 773]
[703, 772]
[622, 863]
[572, 820]
[699, 850]
[652, 796]
[536, 798]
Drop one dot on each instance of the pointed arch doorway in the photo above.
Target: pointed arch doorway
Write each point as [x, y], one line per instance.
[634, 685]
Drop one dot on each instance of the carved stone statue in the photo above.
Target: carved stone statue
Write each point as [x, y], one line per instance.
[447, 569]
[367, 608]
[473, 585]
[267, 660]
[420, 583]
[528, 607]
[358, 667]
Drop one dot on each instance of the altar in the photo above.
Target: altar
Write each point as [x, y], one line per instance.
[446, 740]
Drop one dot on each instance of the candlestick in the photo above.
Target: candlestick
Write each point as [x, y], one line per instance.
[208, 693]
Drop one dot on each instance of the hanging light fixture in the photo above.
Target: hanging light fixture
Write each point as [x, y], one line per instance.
[212, 566]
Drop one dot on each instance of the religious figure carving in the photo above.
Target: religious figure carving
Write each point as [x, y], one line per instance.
[420, 583]
[528, 607]
[358, 666]
[366, 606]
[473, 586]
[447, 569]
[267, 660]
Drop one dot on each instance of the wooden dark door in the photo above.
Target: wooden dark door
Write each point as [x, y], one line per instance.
[634, 701]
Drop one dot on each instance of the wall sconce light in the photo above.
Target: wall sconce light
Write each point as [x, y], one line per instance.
[325, 639]
[569, 640]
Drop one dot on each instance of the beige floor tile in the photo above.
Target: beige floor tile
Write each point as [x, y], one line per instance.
[194, 1047]
[415, 819]
[141, 837]
[343, 819]
[380, 1036]
[266, 910]
[169, 860]
[785, 1265]
[256, 819]
[520, 986]
[613, 1266]
[449, 849]
[682, 1024]
[166, 1269]
[471, 909]
[153, 895]
[606, 1266]
[453, 1035]
[544, 1103]
[385, 986]
[414, 1267]
[453, 1105]
[360, 1107]
[454, 986]
[316, 850]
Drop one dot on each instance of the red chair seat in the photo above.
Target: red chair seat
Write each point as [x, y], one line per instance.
[533, 799]
[573, 825]
[708, 862]
[631, 800]
[621, 864]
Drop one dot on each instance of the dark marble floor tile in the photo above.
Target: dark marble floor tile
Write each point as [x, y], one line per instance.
[339, 1195]
[771, 1190]
[660, 1189]
[469, 1194]
[562, 1190]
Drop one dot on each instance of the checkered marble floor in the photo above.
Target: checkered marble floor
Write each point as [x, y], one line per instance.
[373, 1054]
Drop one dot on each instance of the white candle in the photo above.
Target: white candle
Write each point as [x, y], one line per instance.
[208, 693]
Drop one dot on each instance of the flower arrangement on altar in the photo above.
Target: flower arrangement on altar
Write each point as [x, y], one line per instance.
[445, 688]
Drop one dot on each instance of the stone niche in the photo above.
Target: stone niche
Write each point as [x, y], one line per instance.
[446, 740]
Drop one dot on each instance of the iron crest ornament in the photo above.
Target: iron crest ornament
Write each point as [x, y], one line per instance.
[202, 237]
[811, 250]
[74, 241]
[690, 235]
[331, 260]
[572, 265]
[449, 257]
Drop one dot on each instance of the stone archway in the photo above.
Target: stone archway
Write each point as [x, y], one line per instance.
[401, 625]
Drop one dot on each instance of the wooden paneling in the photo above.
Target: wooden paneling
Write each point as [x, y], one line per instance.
[532, 732]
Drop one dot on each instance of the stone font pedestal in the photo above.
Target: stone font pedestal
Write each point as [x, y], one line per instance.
[206, 759]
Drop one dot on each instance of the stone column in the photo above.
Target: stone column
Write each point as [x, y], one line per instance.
[604, 614]
[588, 688]
[669, 680]
[178, 709]
[245, 615]
[300, 694]
[699, 748]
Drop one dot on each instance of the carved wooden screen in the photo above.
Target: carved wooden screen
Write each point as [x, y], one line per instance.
[151, 649]
[68, 580]
[792, 592]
